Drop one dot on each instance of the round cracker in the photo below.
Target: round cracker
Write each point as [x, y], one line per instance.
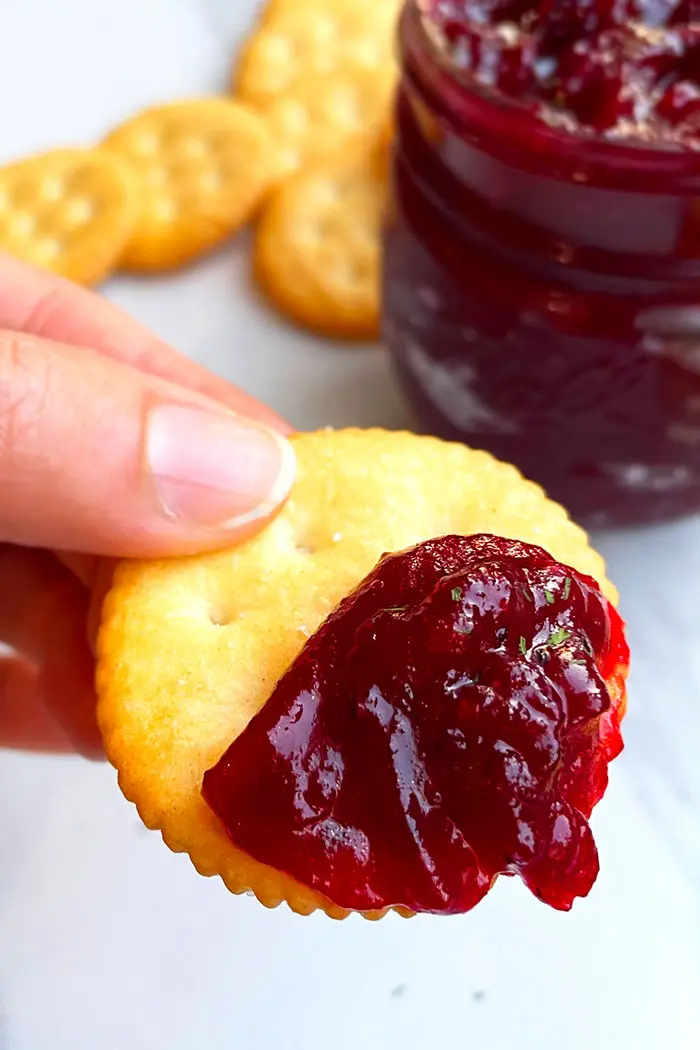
[71, 211]
[203, 167]
[190, 649]
[275, 8]
[311, 41]
[317, 246]
[323, 114]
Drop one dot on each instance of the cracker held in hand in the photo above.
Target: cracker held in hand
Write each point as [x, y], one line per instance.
[190, 649]
[317, 246]
[70, 211]
[203, 167]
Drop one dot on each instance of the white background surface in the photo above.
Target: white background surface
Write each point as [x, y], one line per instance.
[109, 942]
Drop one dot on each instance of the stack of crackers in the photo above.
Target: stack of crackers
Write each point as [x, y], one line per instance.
[299, 147]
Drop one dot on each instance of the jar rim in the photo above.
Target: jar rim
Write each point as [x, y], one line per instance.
[490, 119]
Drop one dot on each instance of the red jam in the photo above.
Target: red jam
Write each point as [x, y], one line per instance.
[629, 68]
[451, 721]
[542, 252]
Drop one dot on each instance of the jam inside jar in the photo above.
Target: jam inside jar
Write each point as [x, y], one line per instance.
[541, 290]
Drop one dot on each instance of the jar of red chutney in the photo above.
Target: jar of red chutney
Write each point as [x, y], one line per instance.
[542, 251]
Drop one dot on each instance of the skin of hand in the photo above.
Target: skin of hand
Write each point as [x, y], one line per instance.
[112, 445]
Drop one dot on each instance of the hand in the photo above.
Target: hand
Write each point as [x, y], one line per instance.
[111, 445]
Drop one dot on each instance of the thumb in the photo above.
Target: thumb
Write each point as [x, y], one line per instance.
[98, 457]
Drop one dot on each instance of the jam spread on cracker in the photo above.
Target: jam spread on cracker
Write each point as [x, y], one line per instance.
[452, 720]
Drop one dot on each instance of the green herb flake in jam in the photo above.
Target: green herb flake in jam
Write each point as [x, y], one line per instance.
[558, 637]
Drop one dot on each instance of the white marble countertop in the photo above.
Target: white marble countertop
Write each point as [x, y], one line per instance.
[108, 941]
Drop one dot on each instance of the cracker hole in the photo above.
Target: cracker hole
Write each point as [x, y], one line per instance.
[78, 211]
[49, 248]
[368, 52]
[351, 271]
[209, 181]
[324, 230]
[343, 191]
[164, 209]
[290, 159]
[146, 144]
[52, 188]
[308, 238]
[348, 110]
[305, 544]
[304, 548]
[327, 192]
[295, 118]
[192, 148]
[22, 224]
[326, 30]
[279, 45]
[221, 617]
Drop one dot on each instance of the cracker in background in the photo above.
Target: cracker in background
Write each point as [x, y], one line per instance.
[276, 8]
[298, 44]
[191, 648]
[320, 115]
[317, 246]
[71, 211]
[203, 167]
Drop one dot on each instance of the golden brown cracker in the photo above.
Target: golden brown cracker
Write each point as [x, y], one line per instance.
[298, 44]
[276, 8]
[384, 146]
[322, 114]
[191, 648]
[317, 246]
[203, 167]
[69, 210]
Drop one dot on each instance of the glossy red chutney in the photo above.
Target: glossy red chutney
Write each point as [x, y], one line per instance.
[452, 720]
[541, 280]
[628, 68]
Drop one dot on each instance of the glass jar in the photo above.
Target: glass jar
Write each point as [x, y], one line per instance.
[541, 294]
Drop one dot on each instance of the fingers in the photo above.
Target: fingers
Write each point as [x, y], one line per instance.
[121, 448]
[98, 589]
[84, 566]
[97, 457]
[43, 616]
[24, 720]
[67, 673]
[31, 583]
[95, 574]
[45, 305]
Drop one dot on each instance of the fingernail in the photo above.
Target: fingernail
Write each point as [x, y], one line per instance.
[216, 470]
